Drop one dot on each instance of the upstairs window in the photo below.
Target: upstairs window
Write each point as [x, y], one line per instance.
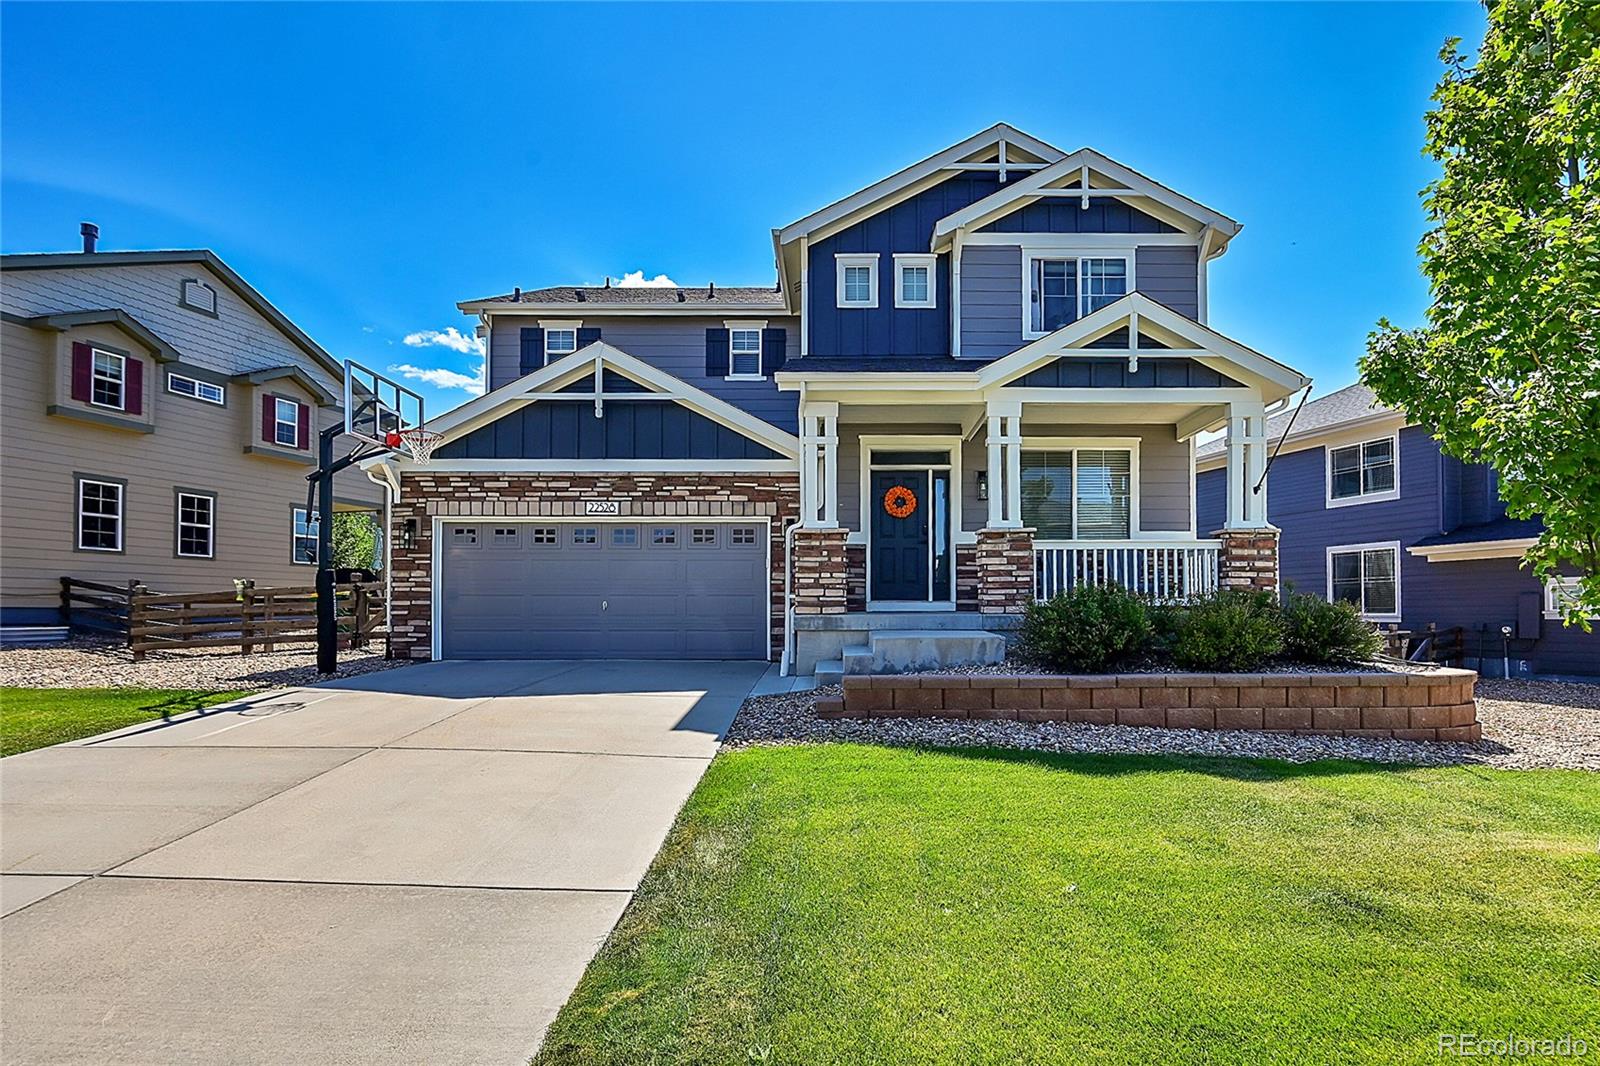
[108, 380]
[914, 285]
[560, 340]
[285, 422]
[196, 389]
[744, 349]
[1363, 473]
[1063, 290]
[858, 279]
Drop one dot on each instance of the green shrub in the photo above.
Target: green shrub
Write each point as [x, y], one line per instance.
[1164, 621]
[1316, 631]
[1232, 630]
[1086, 628]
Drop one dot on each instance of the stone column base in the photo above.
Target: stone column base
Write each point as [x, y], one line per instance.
[819, 581]
[1248, 559]
[1005, 570]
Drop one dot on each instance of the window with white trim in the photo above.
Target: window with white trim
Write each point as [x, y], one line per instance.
[1559, 594]
[1065, 289]
[100, 515]
[1078, 493]
[285, 422]
[857, 276]
[1367, 576]
[108, 384]
[744, 352]
[559, 341]
[303, 546]
[1364, 473]
[196, 525]
[195, 389]
[915, 285]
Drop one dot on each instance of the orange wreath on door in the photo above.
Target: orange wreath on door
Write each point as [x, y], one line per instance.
[900, 502]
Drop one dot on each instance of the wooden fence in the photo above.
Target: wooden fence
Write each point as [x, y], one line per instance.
[1436, 645]
[105, 604]
[251, 619]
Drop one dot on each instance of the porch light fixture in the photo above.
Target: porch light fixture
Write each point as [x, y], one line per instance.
[408, 534]
[983, 484]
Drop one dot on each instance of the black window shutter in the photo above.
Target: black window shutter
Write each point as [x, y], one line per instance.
[532, 349]
[774, 349]
[587, 336]
[716, 353]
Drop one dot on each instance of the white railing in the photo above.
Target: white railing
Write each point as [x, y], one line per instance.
[1160, 570]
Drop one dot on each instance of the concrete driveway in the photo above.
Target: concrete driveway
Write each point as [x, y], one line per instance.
[413, 866]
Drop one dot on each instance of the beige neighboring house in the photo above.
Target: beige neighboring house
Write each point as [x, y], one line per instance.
[158, 417]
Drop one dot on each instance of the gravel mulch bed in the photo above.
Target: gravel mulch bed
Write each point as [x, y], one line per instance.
[93, 662]
[1526, 725]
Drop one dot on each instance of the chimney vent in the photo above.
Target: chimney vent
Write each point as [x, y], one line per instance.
[711, 291]
[608, 281]
[516, 295]
[90, 233]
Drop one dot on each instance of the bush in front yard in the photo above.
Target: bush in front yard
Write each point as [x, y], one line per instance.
[1316, 631]
[1087, 628]
[1232, 630]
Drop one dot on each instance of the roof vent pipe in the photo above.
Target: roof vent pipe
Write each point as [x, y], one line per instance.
[516, 295]
[608, 281]
[711, 291]
[90, 233]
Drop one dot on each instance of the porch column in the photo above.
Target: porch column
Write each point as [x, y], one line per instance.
[1005, 464]
[1249, 553]
[819, 465]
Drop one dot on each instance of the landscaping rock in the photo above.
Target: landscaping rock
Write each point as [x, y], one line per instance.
[94, 662]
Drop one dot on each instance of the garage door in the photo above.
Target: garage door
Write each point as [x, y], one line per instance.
[522, 590]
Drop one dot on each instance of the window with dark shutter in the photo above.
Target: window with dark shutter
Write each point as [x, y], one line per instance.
[82, 371]
[303, 438]
[532, 352]
[587, 336]
[716, 353]
[133, 386]
[774, 345]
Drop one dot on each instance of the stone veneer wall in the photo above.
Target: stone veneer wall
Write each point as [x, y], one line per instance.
[1005, 570]
[855, 576]
[1432, 705]
[425, 496]
[966, 577]
[1248, 559]
[819, 583]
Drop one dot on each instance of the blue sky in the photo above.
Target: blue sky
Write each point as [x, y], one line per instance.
[368, 165]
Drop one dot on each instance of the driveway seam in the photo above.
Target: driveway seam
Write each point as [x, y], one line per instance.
[354, 884]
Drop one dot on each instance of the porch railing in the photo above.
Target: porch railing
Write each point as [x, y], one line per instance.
[1159, 570]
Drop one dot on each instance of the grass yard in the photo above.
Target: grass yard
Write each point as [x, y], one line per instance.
[851, 904]
[38, 717]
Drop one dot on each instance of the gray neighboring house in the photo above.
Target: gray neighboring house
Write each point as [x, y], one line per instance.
[158, 417]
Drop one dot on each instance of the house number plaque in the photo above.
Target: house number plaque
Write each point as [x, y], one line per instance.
[602, 507]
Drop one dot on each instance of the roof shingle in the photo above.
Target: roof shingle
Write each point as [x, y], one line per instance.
[1336, 408]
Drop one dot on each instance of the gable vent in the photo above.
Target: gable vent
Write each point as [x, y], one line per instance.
[198, 296]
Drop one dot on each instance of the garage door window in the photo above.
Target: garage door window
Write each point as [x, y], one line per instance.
[585, 535]
[544, 534]
[664, 536]
[624, 537]
[744, 535]
[505, 536]
[463, 536]
[703, 535]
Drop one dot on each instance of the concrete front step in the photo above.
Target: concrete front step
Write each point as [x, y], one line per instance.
[829, 673]
[897, 651]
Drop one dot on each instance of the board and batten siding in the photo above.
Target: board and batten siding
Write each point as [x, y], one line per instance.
[1466, 593]
[674, 345]
[193, 445]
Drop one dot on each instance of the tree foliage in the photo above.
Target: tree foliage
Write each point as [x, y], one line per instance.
[355, 539]
[1507, 369]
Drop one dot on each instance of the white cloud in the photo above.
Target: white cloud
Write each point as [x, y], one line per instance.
[637, 280]
[451, 338]
[441, 378]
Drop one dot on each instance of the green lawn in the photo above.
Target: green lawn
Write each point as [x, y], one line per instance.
[849, 904]
[36, 717]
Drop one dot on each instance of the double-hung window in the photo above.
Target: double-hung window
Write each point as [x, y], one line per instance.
[100, 513]
[744, 349]
[304, 538]
[1368, 576]
[914, 281]
[196, 523]
[1078, 493]
[285, 422]
[1363, 473]
[857, 279]
[1065, 289]
[108, 381]
[560, 340]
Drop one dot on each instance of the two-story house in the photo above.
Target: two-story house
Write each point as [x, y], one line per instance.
[1373, 512]
[157, 419]
[975, 381]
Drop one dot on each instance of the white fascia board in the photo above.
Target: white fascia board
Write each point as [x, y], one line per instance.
[582, 363]
[1026, 191]
[1483, 549]
[887, 190]
[873, 381]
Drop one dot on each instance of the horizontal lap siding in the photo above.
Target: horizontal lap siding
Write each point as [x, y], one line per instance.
[1169, 274]
[991, 301]
[675, 345]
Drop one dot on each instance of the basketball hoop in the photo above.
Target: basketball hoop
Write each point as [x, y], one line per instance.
[418, 441]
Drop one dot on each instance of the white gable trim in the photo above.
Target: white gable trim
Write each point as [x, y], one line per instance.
[900, 185]
[1222, 354]
[592, 361]
[1133, 185]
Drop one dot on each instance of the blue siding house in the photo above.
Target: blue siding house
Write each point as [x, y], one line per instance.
[1373, 512]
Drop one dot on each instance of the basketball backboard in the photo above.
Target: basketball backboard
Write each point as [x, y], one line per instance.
[377, 408]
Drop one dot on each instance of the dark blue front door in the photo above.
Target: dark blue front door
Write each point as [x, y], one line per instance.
[899, 538]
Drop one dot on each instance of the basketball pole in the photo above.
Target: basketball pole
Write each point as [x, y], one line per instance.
[321, 488]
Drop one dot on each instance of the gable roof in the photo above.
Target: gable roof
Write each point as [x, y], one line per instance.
[1074, 172]
[293, 373]
[1351, 405]
[597, 298]
[241, 288]
[109, 316]
[602, 356]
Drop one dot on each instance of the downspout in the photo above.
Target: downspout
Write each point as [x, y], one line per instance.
[786, 658]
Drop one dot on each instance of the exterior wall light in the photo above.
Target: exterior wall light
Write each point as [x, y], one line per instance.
[983, 484]
[408, 534]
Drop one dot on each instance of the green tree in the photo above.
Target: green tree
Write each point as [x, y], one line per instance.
[1507, 369]
[355, 538]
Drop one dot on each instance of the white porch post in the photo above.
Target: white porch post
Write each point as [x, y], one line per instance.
[1247, 461]
[996, 484]
[1005, 464]
[1014, 470]
[830, 467]
[819, 465]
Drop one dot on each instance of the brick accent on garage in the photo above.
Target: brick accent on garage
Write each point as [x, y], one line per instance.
[1432, 705]
[426, 496]
[820, 580]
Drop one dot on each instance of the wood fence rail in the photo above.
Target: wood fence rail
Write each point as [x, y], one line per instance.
[106, 604]
[250, 618]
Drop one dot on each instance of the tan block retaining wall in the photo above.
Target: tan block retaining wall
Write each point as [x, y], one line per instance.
[1436, 705]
